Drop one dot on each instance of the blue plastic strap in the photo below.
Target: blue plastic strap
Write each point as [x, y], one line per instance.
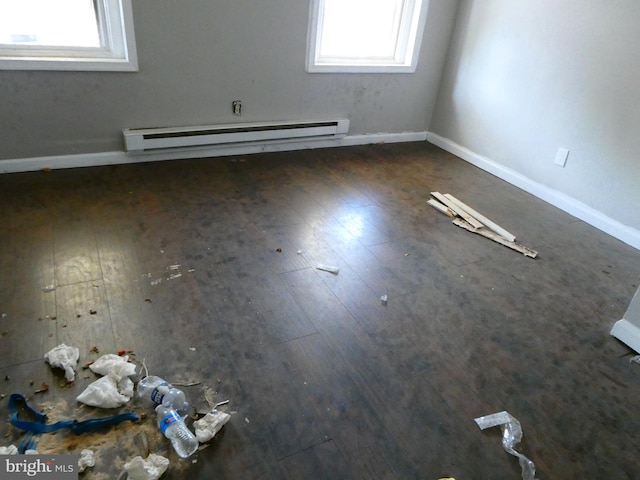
[39, 423]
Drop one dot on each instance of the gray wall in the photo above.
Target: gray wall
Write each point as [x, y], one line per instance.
[525, 77]
[195, 57]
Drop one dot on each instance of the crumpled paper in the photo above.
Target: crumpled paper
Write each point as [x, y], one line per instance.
[111, 363]
[209, 425]
[86, 460]
[10, 450]
[64, 357]
[104, 393]
[511, 436]
[150, 469]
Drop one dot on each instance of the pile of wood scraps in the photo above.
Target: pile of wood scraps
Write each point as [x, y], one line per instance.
[466, 217]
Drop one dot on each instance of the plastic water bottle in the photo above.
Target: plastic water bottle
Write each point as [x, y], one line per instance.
[173, 427]
[160, 392]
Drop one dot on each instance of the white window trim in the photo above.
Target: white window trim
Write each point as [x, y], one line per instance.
[117, 54]
[403, 62]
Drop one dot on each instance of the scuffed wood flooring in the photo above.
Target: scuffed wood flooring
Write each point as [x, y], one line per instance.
[206, 270]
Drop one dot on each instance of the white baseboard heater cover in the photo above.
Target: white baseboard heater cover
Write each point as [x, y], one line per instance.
[139, 140]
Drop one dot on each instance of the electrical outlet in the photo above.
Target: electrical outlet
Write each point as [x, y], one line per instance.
[237, 107]
[561, 156]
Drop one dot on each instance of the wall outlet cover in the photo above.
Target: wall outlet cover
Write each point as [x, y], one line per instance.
[561, 156]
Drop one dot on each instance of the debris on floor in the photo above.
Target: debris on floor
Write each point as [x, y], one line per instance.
[43, 388]
[116, 364]
[170, 273]
[107, 392]
[511, 436]
[174, 428]
[10, 450]
[64, 357]
[383, 300]
[635, 359]
[150, 468]
[210, 424]
[328, 268]
[466, 217]
[23, 417]
[86, 460]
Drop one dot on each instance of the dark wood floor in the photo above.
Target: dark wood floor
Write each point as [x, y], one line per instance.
[323, 380]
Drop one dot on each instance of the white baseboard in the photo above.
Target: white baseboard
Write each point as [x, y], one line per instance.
[558, 199]
[116, 157]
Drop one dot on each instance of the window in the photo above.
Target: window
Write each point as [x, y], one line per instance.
[67, 35]
[365, 35]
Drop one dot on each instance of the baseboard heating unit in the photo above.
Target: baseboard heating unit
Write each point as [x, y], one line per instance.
[141, 140]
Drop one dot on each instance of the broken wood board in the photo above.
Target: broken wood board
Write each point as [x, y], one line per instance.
[457, 210]
[496, 238]
[481, 218]
[440, 207]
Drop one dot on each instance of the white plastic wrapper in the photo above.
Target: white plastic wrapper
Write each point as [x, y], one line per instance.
[64, 357]
[10, 450]
[86, 460]
[209, 425]
[125, 387]
[511, 436]
[111, 363]
[150, 468]
[103, 393]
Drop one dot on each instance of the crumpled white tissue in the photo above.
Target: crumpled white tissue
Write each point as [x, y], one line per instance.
[64, 357]
[103, 393]
[86, 460]
[150, 469]
[125, 387]
[209, 425]
[10, 450]
[111, 363]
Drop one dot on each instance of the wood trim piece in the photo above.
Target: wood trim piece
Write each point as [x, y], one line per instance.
[440, 207]
[496, 238]
[481, 218]
[457, 210]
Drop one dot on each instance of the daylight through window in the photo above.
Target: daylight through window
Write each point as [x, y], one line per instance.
[67, 35]
[365, 35]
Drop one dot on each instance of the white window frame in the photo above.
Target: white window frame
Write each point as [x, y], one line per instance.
[407, 52]
[117, 53]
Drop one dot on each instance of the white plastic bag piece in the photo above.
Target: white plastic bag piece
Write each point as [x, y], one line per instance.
[328, 268]
[103, 393]
[511, 436]
[31, 452]
[209, 425]
[86, 460]
[150, 469]
[64, 357]
[10, 450]
[125, 387]
[111, 363]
